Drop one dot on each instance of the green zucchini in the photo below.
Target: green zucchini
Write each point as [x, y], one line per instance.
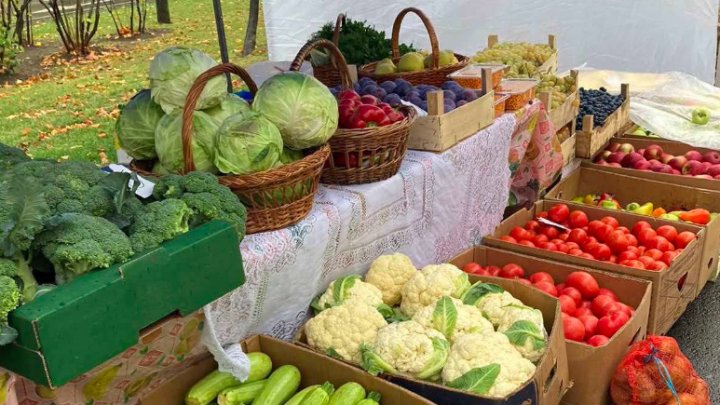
[281, 385]
[260, 366]
[373, 398]
[207, 389]
[319, 395]
[348, 394]
[297, 398]
[241, 394]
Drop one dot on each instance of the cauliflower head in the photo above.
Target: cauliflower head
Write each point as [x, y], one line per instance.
[344, 328]
[430, 284]
[349, 289]
[408, 348]
[491, 299]
[452, 318]
[389, 273]
[473, 354]
[524, 328]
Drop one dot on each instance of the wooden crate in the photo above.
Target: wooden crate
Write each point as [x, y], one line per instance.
[568, 111]
[550, 65]
[438, 131]
[591, 139]
[568, 145]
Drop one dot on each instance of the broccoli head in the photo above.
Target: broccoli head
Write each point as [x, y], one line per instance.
[9, 300]
[77, 243]
[160, 221]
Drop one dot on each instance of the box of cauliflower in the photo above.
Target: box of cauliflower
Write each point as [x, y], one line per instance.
[442, 334]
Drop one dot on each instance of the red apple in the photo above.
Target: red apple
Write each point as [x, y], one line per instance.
[630, 159]
[655, 165]
[606, 154]
[706, 166]
[642, 165]
[613, 147]
[666, 169]
[694, 155]
[616, 157]
[653, 152]
[601, 162]
[641, 151]
[666, 158]
[676, 172]
[627, 148]
[711, 157]
[714, 170]
[614, 165]
[694, 168]
[678, 162]
[717, 177]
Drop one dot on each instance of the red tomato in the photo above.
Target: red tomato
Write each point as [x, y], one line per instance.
[558, 213]
[590, 322]
[645, 235]
[567, 304]
[526, 243]
[602, 252]
[482, 272]
[600, 304]
[659, 243]
[512, 270]
[532, 225]
[586, 304]
[589, 240]
[493, 270]
[578, 219]
[587, 256]
[657, 266]
[562, 248]
[632, 240]
[634, 264]
[654, 253]
[598, 340]
[609, 324]
[520, 233]
[640, 225]
[618, 241]
[573, 328]
[546, 287]
[471, 268]
[558, 241]
[610, 221]
[582, 311]
[563, 236]
[577, 236]
[572, 245]
[508, 238]
[549, 246]
[539, 238]
[605, 291]
[668, 232]
[584, 282]
[593, 226]
[626, 308]
[646, 260]
[668, 257]
[634, 249]
[627, 255]
[542, 214]
[541, 276]
[575, 252]
[523, 281]
[613, 259]
[603, 233]
[573, 293]
[551, 232]
[560, 286]
[683, 239]
[623, 229]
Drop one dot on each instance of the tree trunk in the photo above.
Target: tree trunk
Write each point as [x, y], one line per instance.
[251, 33]
[163, 11]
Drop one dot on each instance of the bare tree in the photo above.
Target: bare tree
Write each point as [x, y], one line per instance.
[135, 12]
[163, 11]
[252, 25]
[76, 24]
[15, 19]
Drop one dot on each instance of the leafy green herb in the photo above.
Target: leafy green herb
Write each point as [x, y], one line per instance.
[520, 331]
[479, 290]
[445, 316]
[478, 380]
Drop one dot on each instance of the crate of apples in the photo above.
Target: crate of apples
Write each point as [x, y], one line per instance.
[642, 247]
[591, 314]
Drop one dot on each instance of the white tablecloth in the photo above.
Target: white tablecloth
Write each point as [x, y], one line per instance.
[437, 206]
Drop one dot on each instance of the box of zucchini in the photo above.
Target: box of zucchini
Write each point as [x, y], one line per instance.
[86, 265]
[443, 335]
[280, 373]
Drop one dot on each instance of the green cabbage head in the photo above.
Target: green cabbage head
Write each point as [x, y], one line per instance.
[168, 142]
[248, 144]
[230, 105]
[136, 126]
[302, 108]
[172, 73]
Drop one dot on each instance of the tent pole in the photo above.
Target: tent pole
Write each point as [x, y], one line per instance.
[220, 26]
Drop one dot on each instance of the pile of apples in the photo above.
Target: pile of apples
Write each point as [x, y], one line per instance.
[641, 247]
[653, 158]
[590, 314]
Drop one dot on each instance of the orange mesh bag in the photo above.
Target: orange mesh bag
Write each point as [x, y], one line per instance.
[655, 372]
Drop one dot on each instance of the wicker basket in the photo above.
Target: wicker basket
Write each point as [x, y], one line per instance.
[274, 198]
[435, 76]
[378, 151]
[329, 74]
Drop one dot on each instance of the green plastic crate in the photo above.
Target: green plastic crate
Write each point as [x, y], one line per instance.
[78, 326]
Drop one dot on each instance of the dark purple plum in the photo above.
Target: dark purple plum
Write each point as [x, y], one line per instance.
[388, 86]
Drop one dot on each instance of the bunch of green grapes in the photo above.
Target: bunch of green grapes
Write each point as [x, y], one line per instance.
[561, 87]
[522, 58]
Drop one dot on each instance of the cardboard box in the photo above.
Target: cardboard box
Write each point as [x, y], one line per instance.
[314, 368]
[590, 139]
[162, 351]
[77, 326]
[551, 378]
[629, 189]
[591, 368]
[673, 288]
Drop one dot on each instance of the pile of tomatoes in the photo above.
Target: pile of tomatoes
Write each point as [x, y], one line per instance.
[590, 314]
[641, 247]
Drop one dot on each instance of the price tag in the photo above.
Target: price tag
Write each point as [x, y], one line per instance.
[548, 222]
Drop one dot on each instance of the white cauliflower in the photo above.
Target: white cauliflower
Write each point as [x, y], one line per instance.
[349, 289]
[491, 299]
[525, 329]
[344, 328]
[408, 348]
[474, 351]
[389, 273]
[453, 318]
[430, 284]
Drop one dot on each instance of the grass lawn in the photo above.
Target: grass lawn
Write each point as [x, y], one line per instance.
[69, 112]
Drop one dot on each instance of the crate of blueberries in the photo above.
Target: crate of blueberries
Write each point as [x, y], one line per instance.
[449, 113]
[602, 115]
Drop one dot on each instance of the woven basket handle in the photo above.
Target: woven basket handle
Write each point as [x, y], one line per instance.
[428, 26]
[296, 64]
[339, 24]
[192, 99]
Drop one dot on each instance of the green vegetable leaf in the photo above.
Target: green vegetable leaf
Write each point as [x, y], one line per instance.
[479, 290]
[333, 353]
[374, 395]
[386, 311]
[441, 351]
[478, 380]
[520, 331]
[372, 363]
[328, 387]
[342, 286]
[395, 317]
[315, 305]
[444, 316]
[8, 334]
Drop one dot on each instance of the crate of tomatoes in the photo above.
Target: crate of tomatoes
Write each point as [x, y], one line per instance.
[664, 252]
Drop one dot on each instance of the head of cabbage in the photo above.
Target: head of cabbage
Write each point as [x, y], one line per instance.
[301, 107]
[230, 105]
[172, 73]
[247, 144]
[168, 142]
[136, 126]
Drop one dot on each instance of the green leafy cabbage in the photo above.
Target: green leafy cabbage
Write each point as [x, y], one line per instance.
[136, 126]
[248, 144]
[229, 106]
[168, 142]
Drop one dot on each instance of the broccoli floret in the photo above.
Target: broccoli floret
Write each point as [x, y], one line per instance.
[10, 156]
[160, 221]
[77, 243]
[9, 300]
[170, 186]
